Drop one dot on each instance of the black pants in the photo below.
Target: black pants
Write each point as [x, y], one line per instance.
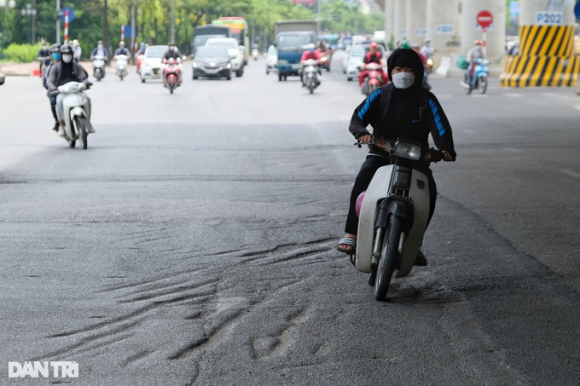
[362, 182]
[53, 106]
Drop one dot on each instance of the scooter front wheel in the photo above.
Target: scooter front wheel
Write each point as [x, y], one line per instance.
[81, 124]
[388, 259]
[482, 84]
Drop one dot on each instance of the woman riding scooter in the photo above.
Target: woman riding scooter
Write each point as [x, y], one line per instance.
[401, 109]
[62, 73]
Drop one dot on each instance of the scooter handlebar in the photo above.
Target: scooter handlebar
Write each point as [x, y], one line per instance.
[427, 154]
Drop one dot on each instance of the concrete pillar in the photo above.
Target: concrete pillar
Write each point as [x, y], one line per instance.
[389, 20]
[495, 34]
[529, 8]
[416, 21]
[400, 12]
[546, 56]
[444, 27]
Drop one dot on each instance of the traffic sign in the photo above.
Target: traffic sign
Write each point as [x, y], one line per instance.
[577, 10]
[484, 19]
[71, 14]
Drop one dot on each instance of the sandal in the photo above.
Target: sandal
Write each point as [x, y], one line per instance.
[348, 241]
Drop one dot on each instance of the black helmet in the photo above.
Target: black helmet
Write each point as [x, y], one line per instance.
[171, 44]
[66, 49]
[55, 48]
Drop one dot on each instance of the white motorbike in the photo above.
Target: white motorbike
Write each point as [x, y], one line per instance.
[310, 75]
[76, 113]
[99, 67]
[121, 66]
[255, 54]
[394, 214]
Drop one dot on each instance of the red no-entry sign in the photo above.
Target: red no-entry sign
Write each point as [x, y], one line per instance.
[484, 19]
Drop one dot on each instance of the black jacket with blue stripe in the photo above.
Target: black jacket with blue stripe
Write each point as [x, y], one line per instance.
[412, 115]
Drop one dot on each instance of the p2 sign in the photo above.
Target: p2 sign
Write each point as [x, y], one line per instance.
[549, 18]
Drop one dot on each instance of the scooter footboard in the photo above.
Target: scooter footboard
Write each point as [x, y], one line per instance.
[376, 191]
[419, 191]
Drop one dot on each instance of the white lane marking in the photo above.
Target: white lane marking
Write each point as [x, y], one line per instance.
[570, 173]
[514, 95]
[511, 149]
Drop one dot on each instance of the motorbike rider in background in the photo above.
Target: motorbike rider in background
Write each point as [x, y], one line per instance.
[172, 52]
[43, 53]
[77, 50]
[310, 53]
[427, 50]
[55, 56]
[401, 109]
[415, 47]
[100, 51]
[122, 50]
[476, 52]
[63, 72]
[373, 56]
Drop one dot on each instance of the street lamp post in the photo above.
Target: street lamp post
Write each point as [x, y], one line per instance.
[4, 5]
[29, 12]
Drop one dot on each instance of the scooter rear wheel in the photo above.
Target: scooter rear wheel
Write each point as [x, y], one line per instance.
[388, 259]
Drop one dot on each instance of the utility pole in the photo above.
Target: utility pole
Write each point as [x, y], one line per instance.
[57, 21]
[133, 30]
[173, 21]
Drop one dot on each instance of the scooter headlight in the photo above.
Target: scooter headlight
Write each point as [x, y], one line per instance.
[408, 150]
[229, 66]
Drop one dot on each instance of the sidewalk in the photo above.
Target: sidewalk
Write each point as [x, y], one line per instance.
[25, 69]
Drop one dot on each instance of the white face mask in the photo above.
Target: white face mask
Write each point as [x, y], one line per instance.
[403, 80]
[67, 58]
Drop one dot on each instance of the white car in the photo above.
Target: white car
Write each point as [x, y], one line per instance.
[234, 51]
[151, 66]
[356, 58]
[272, 60]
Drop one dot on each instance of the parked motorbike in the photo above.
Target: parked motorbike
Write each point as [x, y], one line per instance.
[480, 77]
[76, 113]
[394, 213]
[171, 74]
[99, 67]
[255, 54]
[310, 75]
[374, 80]
[121, 66]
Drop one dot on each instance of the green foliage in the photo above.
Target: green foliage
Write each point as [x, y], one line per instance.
[22, 53]
[154, 23]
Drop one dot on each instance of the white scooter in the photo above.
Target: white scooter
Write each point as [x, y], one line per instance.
[394, 214]
[99, 67]
[255, 54]
[121, 66]
[76, 113]
[310, 75]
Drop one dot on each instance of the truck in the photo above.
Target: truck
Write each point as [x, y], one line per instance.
[292, 39]
[204, 32]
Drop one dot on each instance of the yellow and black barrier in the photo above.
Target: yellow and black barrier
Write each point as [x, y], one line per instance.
[546, 58]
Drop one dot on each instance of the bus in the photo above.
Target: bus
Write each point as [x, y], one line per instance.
[239, 30]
